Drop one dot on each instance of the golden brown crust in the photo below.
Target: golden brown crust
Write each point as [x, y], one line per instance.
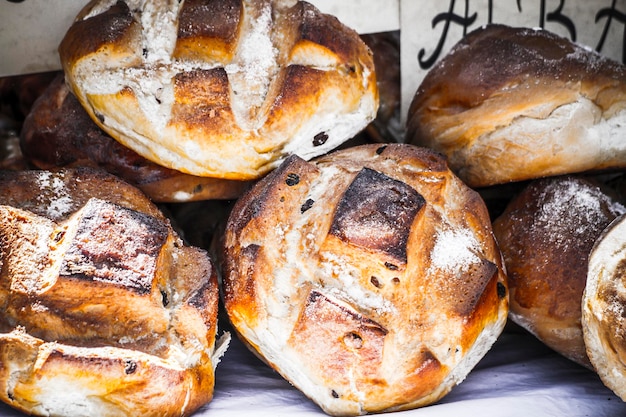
[226, 97]
[103, 307]
[510, 104]
[345, 260]
[58, 133]
[207, 30]
[546, 234]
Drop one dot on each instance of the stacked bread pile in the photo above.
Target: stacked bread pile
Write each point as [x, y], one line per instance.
[546, 117]
[370, 277]
[345, 254]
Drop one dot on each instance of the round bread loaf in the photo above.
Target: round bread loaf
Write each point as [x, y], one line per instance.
[58, 132]
[511, 104]
[221, 89]
[604, 307]
[104, 310]
[369, 278]
[546, 234]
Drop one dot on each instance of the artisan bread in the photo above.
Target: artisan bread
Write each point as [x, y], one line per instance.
[604, 307]
[105, 312]
[511, 104]
[546, 234]
[368, 278]
[58, 133]
[222, 89]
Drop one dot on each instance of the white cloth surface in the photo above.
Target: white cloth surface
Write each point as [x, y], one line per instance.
[519, 376]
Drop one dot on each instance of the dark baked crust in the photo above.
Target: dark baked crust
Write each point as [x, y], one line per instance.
[59, 133]
[546, 234]
[104, 301]
[56, 195]
[338, 274]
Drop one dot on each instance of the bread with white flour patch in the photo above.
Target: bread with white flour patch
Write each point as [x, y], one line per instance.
[511, 104]
[368, 278]
[222, 89]
[546, 234]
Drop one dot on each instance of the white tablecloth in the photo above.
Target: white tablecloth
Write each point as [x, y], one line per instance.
[518, 377]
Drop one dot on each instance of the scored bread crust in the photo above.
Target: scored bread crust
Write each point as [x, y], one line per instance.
[546, 234]
[58, 132]
[368, 278]
[604, 307]
[510, 104]
[221, 89]
[104, 310]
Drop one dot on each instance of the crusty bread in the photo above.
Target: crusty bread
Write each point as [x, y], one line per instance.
[58, 132]
[604, 307]
[511, 104]
[546, 234]
[368, 278]
[221, 89]
[105, 311]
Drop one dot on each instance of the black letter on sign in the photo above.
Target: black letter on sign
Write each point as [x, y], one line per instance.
[611, 13]
[557, 16]
[448, 17]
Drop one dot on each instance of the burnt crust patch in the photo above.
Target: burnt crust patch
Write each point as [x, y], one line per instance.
[376, 212]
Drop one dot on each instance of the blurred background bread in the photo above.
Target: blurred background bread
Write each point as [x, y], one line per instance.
[58, 133]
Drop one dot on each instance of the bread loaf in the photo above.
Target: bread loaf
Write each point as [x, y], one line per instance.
[104, 312]
[604, 307]
[222, 89]
[546, 234]
[511, 104]
[368, 278]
